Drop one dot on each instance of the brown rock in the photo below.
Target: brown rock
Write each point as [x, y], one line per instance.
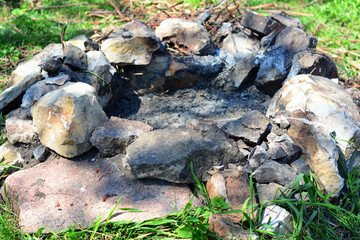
[216, 186]
[114, 136]
[238, 191]
[60, 193]
[227, 226]
[319, 151]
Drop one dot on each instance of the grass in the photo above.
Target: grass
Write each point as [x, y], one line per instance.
[23, 32]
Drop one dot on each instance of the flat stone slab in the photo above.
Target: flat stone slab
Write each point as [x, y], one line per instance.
[60, 193]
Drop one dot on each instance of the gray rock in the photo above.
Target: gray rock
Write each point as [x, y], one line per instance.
[300, 166]
[122, 45]
[269, 192]
[240, 45]
[278, 218]
[203, 18]
[223, 32]
[59, 80]
[20, 131]
[288, 21]
[66, 117]
[186, 33]
[35, 92]
[41, 153]
[96, 58]
[252, 128]
[60, 193]
[275, 172]
[258, 156]
[314, 63]
[259, 24]
[295, 39]
[165, 153]
[12, 93]
[282, 148]
[274, 67]
[114, 136]
[52, 65]
[243, 48]
[31, 66]
[172, 72]
[75, 57]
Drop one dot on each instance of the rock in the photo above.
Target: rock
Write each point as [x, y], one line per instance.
[269, 192]
[275, 172]
[300, 166]
[295, 39]
[243, 48]
[189, 34]
[114, 136]
[261, 25]
[278, 218]
[223, 32]
[52, 65]
[11, 94]
[274, 67]
[10, 158]
[60, 193]
[282, 148]
[84, 43]
[355, 94]
[104, 79]
[228, 227]
[21, 113]
[320, 151]
[258, 156]
[75, 58]
[41, 153]
[20, 131]
[203, 18]
[240, 45]
[31, 66]
[288, 21]
[314, 63]
[238, 191]
[122, 45]
[96, 58]
[252, 128]
[244, 71]
[15, 158]
[165, 153]
[172, 72]
[66, 117]
[216, 186]
[35, 92]
[59, 80]
[329, 104]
